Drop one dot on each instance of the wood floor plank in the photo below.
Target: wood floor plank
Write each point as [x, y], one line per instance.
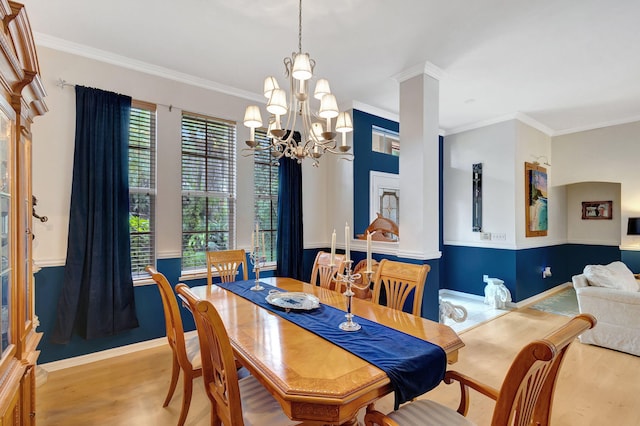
[596, 386]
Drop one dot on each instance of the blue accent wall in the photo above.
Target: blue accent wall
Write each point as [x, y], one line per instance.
[632, 259]
[521, 270]
[460, 269]
[148, 307]
[366, 160]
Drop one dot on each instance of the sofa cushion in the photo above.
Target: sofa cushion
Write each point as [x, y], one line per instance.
[614, 275]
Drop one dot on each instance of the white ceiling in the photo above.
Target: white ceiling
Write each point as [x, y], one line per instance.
[566, 65]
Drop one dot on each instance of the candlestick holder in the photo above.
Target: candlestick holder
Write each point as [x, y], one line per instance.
[257, 261]
[348, 278]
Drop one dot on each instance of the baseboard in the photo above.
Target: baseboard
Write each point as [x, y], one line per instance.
[106, 354]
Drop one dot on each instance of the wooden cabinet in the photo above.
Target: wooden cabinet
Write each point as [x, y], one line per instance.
[21, 99]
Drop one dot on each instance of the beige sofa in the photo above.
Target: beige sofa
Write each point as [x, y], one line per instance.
[610, 293]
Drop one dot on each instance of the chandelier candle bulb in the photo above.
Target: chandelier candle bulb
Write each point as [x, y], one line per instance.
[322, 88]
[270, 83]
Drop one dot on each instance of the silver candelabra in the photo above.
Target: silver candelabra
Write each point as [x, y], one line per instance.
[257, 261]
[348, 278]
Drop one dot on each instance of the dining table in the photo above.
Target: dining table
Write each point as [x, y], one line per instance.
[314, 380]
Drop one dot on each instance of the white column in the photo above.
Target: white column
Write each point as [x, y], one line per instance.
[419, 164]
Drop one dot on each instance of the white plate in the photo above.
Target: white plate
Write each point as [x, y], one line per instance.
[293, 300]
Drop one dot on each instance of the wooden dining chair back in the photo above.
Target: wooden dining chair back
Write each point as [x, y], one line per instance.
[185, 352]
[227, 264]
[323, 273]
[361, 286]
[232, 401]
[399, 281]
[525, 397]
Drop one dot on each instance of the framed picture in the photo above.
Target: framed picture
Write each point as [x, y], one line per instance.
[535, 182]
[597, 210]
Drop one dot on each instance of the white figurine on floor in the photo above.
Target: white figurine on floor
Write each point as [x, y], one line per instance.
[458, 313]
[496, 293]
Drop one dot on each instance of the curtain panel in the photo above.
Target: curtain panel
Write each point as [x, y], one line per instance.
[290, 244]
[97, 297]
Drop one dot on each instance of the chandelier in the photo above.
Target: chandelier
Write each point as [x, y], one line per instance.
[317, 135]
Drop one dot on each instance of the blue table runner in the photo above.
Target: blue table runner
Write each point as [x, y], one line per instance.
[414, 366]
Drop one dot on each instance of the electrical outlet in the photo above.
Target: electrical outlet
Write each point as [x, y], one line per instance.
[485, 236]
[499, 236]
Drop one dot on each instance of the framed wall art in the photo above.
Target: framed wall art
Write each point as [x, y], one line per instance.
[597, 210]
[536, 198]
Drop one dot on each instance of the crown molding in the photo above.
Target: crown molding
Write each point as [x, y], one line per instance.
[144, 67]
[597, 126]
[378, 112]
[425, 68]
[522, 117]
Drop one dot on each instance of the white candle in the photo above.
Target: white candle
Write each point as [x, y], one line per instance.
[257, 245]
[253, 242]
[368, 251]
[263, 245]
[333, 248]
[347, 236]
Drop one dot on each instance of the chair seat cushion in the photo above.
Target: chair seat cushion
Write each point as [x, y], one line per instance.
[259, 407]
[192, 346]
[424, 412]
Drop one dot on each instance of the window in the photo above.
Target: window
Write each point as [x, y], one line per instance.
[265, 172]
[208, 188]
[142, 153]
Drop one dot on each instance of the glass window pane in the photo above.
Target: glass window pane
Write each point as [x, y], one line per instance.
[142, 153]
[208, 187]
[265, 172]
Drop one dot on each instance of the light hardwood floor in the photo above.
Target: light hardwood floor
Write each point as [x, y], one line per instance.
[596, 386]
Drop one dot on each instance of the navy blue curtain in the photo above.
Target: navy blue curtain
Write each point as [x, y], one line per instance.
[290, 243]
[97, 297]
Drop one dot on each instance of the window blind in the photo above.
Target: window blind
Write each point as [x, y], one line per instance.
[142, 157]
[265, 172]
[208, 188]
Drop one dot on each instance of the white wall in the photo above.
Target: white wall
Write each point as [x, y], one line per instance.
[54, 141]
[602, 232]
[608, 154]
[532, 145]
[494, 147]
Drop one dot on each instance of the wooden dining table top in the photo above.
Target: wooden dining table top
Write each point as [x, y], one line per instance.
[313, 379]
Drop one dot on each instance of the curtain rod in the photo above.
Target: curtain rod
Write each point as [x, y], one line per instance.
[62, 83]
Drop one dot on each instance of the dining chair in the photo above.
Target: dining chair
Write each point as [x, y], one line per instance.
[226, 263]
[323, 273]
[400, 280]
[525, 397]
[361, 288]
[185, 352]
[234, 402]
